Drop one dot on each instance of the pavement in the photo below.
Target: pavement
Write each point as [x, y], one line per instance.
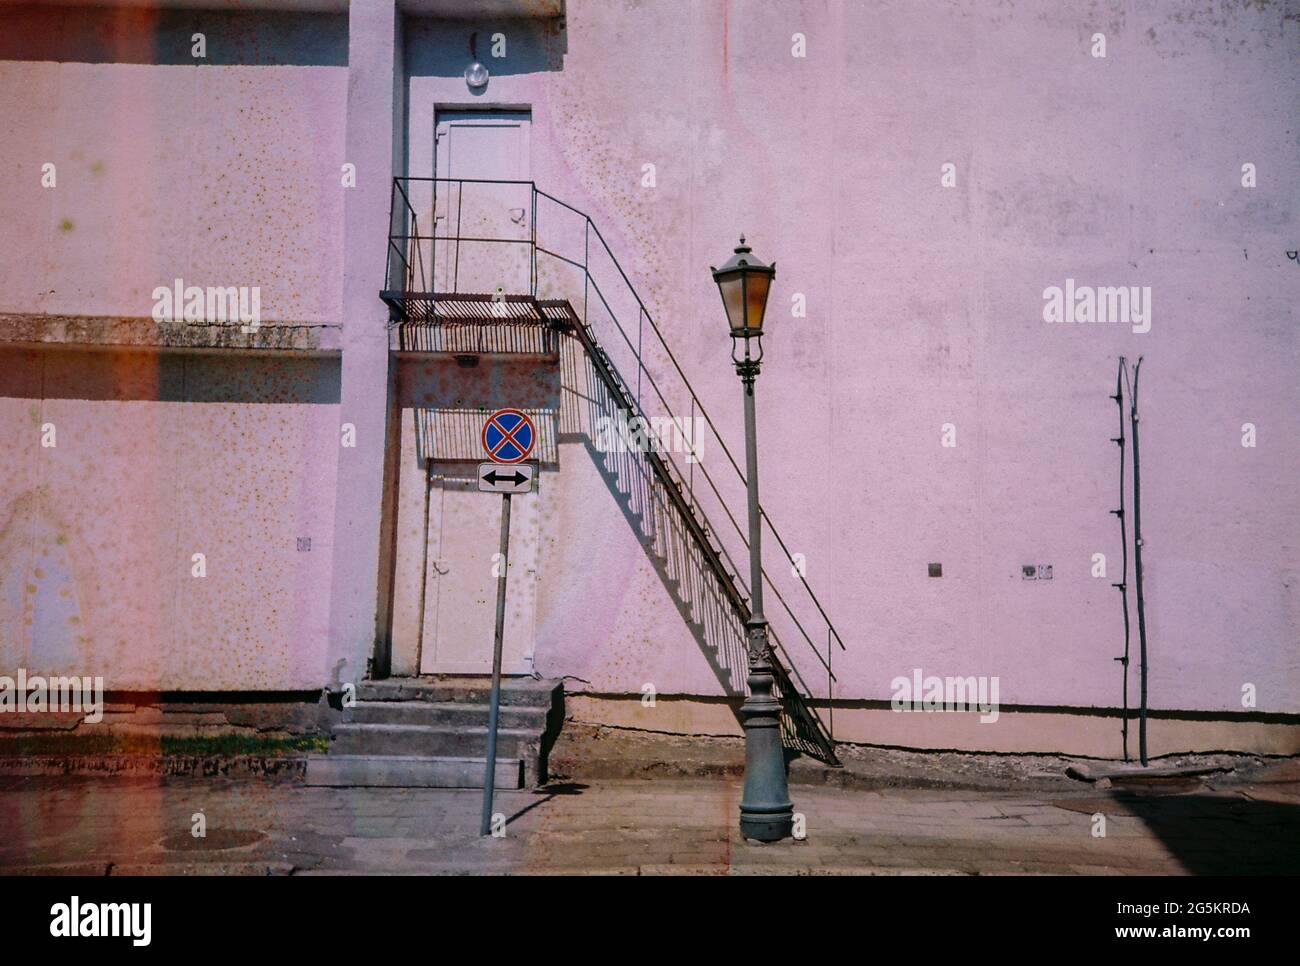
[1245, 821]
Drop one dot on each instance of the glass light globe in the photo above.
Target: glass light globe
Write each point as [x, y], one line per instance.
[476, 75]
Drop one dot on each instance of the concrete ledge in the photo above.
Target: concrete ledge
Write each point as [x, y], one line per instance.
[286, 767]
[115, 331]
[151, 716]
[1098, 771]
[515, 691]
[1082, 732]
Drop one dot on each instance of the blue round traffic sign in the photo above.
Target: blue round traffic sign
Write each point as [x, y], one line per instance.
[509, 436]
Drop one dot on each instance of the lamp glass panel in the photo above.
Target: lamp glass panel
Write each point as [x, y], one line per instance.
[733, 299]
[756, 296]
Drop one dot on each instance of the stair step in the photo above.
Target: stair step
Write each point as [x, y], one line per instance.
[424, 741]
[410, 771]
[461, 690]
[445, 714]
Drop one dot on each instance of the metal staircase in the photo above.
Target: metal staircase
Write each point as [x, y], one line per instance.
[670, 498]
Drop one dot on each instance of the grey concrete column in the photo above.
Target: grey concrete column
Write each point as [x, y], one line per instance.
[373, 141]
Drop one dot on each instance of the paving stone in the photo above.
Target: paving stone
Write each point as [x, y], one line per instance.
[628, 827]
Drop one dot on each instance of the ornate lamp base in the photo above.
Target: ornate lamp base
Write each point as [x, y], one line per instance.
[766, 812]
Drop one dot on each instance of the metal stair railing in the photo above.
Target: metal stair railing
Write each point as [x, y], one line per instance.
[801, 728]
[411, 296]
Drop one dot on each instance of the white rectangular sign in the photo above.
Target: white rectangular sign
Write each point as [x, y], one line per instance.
[506, 477]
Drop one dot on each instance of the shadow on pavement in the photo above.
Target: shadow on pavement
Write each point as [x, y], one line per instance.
[1212, 834]
[545, 795]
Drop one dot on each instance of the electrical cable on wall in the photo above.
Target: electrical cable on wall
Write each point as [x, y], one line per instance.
[1137, 565]
[1122, 585]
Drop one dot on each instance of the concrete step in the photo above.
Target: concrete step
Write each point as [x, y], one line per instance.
[445, 714]
[424, 741]
[461, 690]
[410, 771]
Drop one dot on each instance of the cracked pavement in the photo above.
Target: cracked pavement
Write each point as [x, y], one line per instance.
[1247, 822]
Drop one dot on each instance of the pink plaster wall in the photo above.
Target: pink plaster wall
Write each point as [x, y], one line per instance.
[221, 171]
[156, 458]
[925, 307]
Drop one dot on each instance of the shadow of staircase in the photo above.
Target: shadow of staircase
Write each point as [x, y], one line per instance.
[666, 512]
[677, 539]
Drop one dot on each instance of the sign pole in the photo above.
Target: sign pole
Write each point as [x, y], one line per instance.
[508, 438]
[489, 780]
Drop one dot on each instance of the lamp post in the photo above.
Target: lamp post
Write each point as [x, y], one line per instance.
[766, 813]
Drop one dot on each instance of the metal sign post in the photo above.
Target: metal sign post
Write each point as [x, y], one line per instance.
[508, 438]
[494, 713]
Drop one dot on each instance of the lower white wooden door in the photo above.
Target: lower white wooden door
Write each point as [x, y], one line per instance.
[461, 583]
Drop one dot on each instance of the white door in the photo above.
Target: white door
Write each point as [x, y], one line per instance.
[461, 590]
[489, 222]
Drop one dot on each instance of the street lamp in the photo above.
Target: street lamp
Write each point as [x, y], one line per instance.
[766, 812]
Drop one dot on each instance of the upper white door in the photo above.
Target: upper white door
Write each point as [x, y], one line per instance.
[489, 220]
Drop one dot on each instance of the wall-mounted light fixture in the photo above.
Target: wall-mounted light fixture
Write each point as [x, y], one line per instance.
[476, 75]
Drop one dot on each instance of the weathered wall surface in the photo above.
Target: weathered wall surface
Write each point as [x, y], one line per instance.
[925, 307]
[223, 170]
[121, 467]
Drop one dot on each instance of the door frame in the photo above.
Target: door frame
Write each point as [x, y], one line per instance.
[484, 113]
[440, 108]
[525, 665]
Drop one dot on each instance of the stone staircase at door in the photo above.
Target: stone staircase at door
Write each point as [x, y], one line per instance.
[432, 732]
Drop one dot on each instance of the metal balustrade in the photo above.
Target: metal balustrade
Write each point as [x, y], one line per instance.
[575, 287]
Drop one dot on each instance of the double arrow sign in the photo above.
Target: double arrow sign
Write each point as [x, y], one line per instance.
[515, 478]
